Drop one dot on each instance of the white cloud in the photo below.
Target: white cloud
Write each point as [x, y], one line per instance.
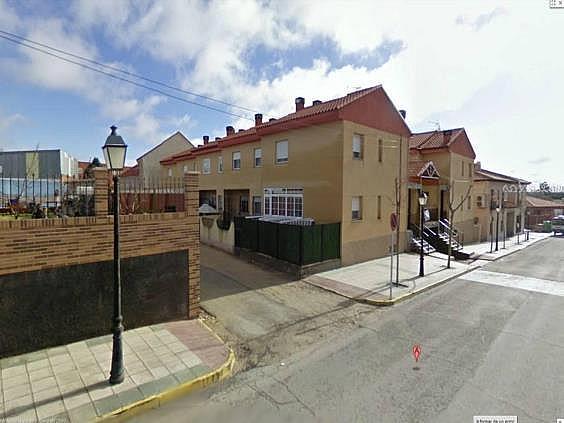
[490, 66]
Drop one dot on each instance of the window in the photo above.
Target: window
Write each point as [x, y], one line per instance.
[356, 208]
[220, 164]
[257, 205]
[206, 166]
[379, 207]
[244, 204]
[380, 151]
[170, 173]
[219, 202]
[479, 201]
[258, 157]
[470, 170]
[357, 146]
[236, 160]
[462, 168]
[283, 202]
[185, 169]
[282, 152]
[469, 202]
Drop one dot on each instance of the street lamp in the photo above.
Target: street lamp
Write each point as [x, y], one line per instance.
[422, 203]
[497, 209]
[114, 152]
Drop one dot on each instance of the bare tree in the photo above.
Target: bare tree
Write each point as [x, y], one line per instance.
[452, 209]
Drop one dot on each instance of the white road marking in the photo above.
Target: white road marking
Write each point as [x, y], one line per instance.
[516, 281]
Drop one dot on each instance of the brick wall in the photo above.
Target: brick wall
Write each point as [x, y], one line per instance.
[46, 244]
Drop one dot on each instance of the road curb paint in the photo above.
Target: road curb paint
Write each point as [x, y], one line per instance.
[155, 401]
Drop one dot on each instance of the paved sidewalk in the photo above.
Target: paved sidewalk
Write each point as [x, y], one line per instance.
[370, 281]
[482, 250]
[69, 383]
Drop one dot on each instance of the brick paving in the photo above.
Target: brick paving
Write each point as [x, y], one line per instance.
[70, 383]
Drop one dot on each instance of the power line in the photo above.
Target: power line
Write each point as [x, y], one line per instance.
[111, 75]
[116, 69]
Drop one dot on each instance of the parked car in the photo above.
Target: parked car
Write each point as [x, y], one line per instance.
[558, 224]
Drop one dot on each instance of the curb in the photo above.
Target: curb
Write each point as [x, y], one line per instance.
[155, 401]
[510, 252]
[419, 291]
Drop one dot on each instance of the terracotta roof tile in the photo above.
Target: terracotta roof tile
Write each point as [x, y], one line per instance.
[488, 175]
[434, 139]
[541, 202]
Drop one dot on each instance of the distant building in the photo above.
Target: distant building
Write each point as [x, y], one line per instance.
[37, 164]
[540, 209]
[149, 166]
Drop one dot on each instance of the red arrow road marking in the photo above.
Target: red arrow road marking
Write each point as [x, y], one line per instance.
[416, 352]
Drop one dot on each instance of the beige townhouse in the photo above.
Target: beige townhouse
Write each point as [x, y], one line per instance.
[500, 204]
[441, 163]
[342, 160]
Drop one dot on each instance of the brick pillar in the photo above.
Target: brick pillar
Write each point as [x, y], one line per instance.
[191, 204]
[101, 191]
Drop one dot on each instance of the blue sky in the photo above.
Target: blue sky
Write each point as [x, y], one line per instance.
[488, 66]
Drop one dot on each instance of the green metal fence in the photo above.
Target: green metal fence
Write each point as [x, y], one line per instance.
[292, 243]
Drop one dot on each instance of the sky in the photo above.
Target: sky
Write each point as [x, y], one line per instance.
[495, 68]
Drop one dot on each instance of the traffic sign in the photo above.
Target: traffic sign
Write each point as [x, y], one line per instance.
[393, 221]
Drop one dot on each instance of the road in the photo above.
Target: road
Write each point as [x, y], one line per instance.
[487, 349]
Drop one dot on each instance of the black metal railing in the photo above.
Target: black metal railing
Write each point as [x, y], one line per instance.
[158, 195]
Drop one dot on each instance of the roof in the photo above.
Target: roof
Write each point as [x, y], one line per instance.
[488, 175]
[445, 139]
[417, 169]
[541, 202]
[167, 139]
[130, 171]
[327, 111]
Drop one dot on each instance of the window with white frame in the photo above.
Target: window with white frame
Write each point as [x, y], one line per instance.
[284, 202]
[220, 164]
[236, 165]
[380, 151]
[356, 208]
[206, 166]
[170, 173]
[357, 146]
[282, 152]
[258, 157]
[185, 169]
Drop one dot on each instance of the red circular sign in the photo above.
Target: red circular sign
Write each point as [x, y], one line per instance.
[393, 221]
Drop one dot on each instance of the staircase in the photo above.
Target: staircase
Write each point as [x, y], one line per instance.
[416, 241]
[437, 238]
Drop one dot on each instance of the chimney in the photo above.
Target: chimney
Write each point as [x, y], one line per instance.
[271, 120]
[478, 166]
[316, 102]
[206, 139]
[258, 119]
[300, 102]
[229, 130]
[240, 130]
[217, 138]
[403, 113]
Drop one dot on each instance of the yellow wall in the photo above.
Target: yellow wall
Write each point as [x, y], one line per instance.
[150, 166]
[369, 178]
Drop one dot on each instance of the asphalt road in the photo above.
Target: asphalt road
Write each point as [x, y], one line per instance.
[487, 349]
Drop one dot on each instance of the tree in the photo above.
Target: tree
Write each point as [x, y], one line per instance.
[544, 187]
[453, 208]
[89, 171]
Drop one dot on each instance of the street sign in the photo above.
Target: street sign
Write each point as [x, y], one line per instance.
[416, 352]
[393, 221]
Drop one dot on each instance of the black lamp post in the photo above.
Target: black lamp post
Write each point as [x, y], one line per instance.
[114, 153]
[422, 203]
[497, 229]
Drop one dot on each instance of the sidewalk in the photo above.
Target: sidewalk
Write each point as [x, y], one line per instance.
[370, 281]
[70, 382]
[482, 250]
